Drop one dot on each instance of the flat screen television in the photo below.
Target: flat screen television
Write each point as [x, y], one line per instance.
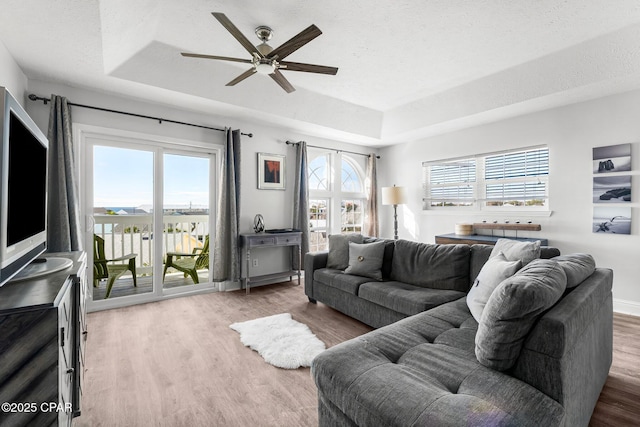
[23, 188]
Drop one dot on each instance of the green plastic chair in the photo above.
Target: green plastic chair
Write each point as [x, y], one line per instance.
[104, 269]
[189, 263]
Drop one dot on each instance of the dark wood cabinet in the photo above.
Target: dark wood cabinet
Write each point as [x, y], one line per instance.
[42, 334]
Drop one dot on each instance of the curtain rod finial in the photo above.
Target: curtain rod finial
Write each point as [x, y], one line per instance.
[34, 97]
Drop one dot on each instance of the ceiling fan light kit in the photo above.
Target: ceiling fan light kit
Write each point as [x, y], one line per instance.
[265, 67]
[265, 59]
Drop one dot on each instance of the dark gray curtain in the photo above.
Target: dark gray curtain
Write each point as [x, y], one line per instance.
[63, 203]
[301, 202]
[226, 255]
[371, 225]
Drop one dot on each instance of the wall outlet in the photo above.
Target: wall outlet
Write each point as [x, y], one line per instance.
[255, 262]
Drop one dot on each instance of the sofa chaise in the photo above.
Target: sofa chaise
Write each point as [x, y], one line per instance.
[538, 353]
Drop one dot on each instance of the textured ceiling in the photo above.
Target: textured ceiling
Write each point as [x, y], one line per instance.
[408, 69]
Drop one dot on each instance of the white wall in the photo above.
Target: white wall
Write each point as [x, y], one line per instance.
[570, 132]
[276, 206]
[11, 76]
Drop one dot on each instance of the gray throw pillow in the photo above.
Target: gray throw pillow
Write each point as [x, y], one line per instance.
[514, 250]
[366, 259]
[512, 310]
[338, 256]
[577, 267]
[494, 271]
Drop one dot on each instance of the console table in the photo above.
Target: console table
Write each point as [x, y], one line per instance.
[43, 330]
[479, 239]
[269, 240]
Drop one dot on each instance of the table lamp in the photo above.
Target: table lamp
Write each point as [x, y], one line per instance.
[394, 196]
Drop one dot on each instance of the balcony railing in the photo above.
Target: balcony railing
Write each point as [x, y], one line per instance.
[125, 234]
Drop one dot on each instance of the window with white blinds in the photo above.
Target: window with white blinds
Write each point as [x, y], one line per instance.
[451, 183]
[507, 180]
[517, 179]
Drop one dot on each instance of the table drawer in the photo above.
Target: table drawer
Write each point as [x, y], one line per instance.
[288, 240]
[261, 241]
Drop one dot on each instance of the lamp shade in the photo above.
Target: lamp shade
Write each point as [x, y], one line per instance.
[394, 195]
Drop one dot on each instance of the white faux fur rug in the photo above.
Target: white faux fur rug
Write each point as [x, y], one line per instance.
[280, 340]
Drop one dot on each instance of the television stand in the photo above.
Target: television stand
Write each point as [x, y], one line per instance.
[43, 332]
[41, 267]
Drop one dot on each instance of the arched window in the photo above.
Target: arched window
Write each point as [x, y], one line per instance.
[319, 173]
[336, 197]
[352, 200]
[319, 200]
[351, 180]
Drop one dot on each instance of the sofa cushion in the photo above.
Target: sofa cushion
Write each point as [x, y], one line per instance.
[431, 266]
[514, 250]
[512, 310]
[389, 246]
[481, 253]
[492, 274]
[577, 267]
[479, 256]
[404, 375]
[366, 259]
[338, 257]
[405, 298]
[337, 279]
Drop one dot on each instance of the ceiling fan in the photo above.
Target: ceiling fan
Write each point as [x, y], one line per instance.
[267, 60]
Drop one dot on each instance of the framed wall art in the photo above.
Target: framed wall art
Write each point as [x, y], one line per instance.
[271, 171]
[612, 220]
[612, 189]
[612, 158]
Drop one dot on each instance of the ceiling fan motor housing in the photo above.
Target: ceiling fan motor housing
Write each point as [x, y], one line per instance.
[264, 49]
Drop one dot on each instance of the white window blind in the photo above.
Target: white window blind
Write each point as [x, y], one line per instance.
[497, 180]
[517, 178]
[451, 183]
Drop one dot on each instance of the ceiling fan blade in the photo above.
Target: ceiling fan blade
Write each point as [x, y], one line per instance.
[241, 77]
[284, 83]
[222, 58]
[308, 68]
[235, 32]
[295, 43]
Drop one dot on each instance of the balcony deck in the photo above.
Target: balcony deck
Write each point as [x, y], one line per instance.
[124, 285]
[126, 234]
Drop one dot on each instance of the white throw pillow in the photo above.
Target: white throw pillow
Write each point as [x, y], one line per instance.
[495, 270]
[515, 250]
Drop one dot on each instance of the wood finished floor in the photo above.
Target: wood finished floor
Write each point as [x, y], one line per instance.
[177, 363]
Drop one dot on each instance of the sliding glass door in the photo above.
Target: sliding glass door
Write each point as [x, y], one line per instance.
[123, 221]
[149, 222]
[186, 221]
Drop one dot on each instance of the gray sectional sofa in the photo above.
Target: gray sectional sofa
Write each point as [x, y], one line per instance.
[538, 354]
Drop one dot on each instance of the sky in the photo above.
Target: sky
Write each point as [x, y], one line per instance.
[124, 178]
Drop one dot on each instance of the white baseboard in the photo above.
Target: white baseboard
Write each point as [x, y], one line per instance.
[231, 286]
[626, 307]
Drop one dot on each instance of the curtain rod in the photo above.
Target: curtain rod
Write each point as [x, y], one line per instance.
[333, 149]
[159, 119]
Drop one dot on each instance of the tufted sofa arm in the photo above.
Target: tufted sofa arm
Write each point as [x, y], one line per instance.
[573, 338]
